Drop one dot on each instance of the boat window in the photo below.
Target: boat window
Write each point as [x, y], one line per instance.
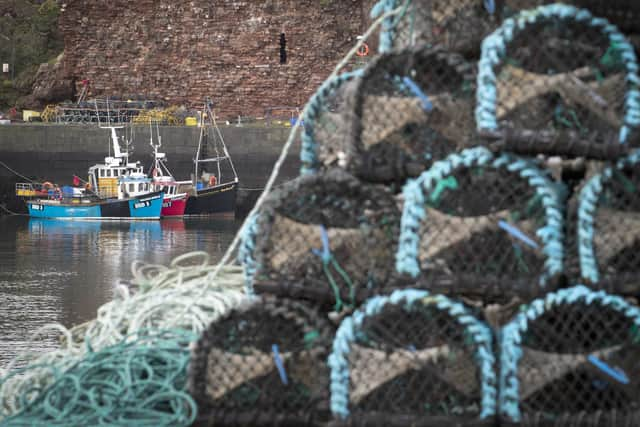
[140, 187]
[108, 172]
[115, 172]
[132, 188]
[101, 173]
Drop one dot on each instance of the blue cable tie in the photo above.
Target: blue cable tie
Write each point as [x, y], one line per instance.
[511, 229]
[424, 99]
[279, 364]
[615, 373]
[325, 254]
[490, 6]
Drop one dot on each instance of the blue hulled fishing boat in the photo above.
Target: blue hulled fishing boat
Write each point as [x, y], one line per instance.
[116, 189]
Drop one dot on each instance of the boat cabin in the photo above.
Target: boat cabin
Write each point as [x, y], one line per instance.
[133, 185]
[104, 178]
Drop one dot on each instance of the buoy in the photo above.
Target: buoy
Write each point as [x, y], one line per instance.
[363, 50]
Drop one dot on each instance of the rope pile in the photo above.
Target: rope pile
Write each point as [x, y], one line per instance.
[183, 297]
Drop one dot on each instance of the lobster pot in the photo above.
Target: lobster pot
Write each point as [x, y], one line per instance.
[263, 364]
[458, 25]
[412, 359]
[624, 14]
[609, 227]
[327, 123]
[571, 359]
[482, 224]
[409, 108]
[328, 234]
[561, 74]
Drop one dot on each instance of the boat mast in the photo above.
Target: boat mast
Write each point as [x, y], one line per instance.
[224, 146]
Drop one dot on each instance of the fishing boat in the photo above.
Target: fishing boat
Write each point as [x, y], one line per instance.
[211, 189]
[174, 202]
[116, 189]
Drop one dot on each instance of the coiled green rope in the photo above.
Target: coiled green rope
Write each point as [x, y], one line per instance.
[183, 296]
[139, 381]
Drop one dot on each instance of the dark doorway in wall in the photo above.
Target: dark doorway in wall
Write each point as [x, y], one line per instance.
[283, 49]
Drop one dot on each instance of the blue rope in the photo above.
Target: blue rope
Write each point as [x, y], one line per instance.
[616, 373]
[479, 332]
[278, 360]
[416, 191]
[490, 6]
[309, 148]
[511, 336]
[494, 48]
[515, 232]
[415, 89]
[587, 207]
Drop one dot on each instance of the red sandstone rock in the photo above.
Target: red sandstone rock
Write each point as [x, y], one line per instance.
[228, 50]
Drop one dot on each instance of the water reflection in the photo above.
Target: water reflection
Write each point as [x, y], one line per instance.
[62, 271]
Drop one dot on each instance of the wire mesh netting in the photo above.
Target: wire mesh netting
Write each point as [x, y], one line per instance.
[326, 128]
[264, 364]
[475, 221]
[608, 225]
[456, 25]
[558, 74]
[409, 108]
[330, 233]
[571, 359]
[411, 358]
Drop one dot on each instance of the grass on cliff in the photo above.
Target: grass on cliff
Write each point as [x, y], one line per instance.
[29, 36]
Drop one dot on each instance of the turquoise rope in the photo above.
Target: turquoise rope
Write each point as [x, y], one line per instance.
[138, 382]
[511, 336]
[309, 148]
[387, 33]
[494, 48]
[348, 330]
[587, 207]
[415, 194]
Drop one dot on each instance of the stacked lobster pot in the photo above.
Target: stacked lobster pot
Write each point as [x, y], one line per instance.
[462, 246]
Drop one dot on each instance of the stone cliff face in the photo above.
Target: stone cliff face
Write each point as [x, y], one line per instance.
[184, 51]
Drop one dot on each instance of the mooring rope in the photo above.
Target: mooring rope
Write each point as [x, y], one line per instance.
[17, 173]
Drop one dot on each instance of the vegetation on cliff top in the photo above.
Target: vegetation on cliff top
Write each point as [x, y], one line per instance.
[28, 37]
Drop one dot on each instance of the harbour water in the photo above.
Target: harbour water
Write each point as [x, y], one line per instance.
[62, 271]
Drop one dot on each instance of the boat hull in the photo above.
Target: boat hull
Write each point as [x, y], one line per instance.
[147, 206]
[214, 200]
[174, 206]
